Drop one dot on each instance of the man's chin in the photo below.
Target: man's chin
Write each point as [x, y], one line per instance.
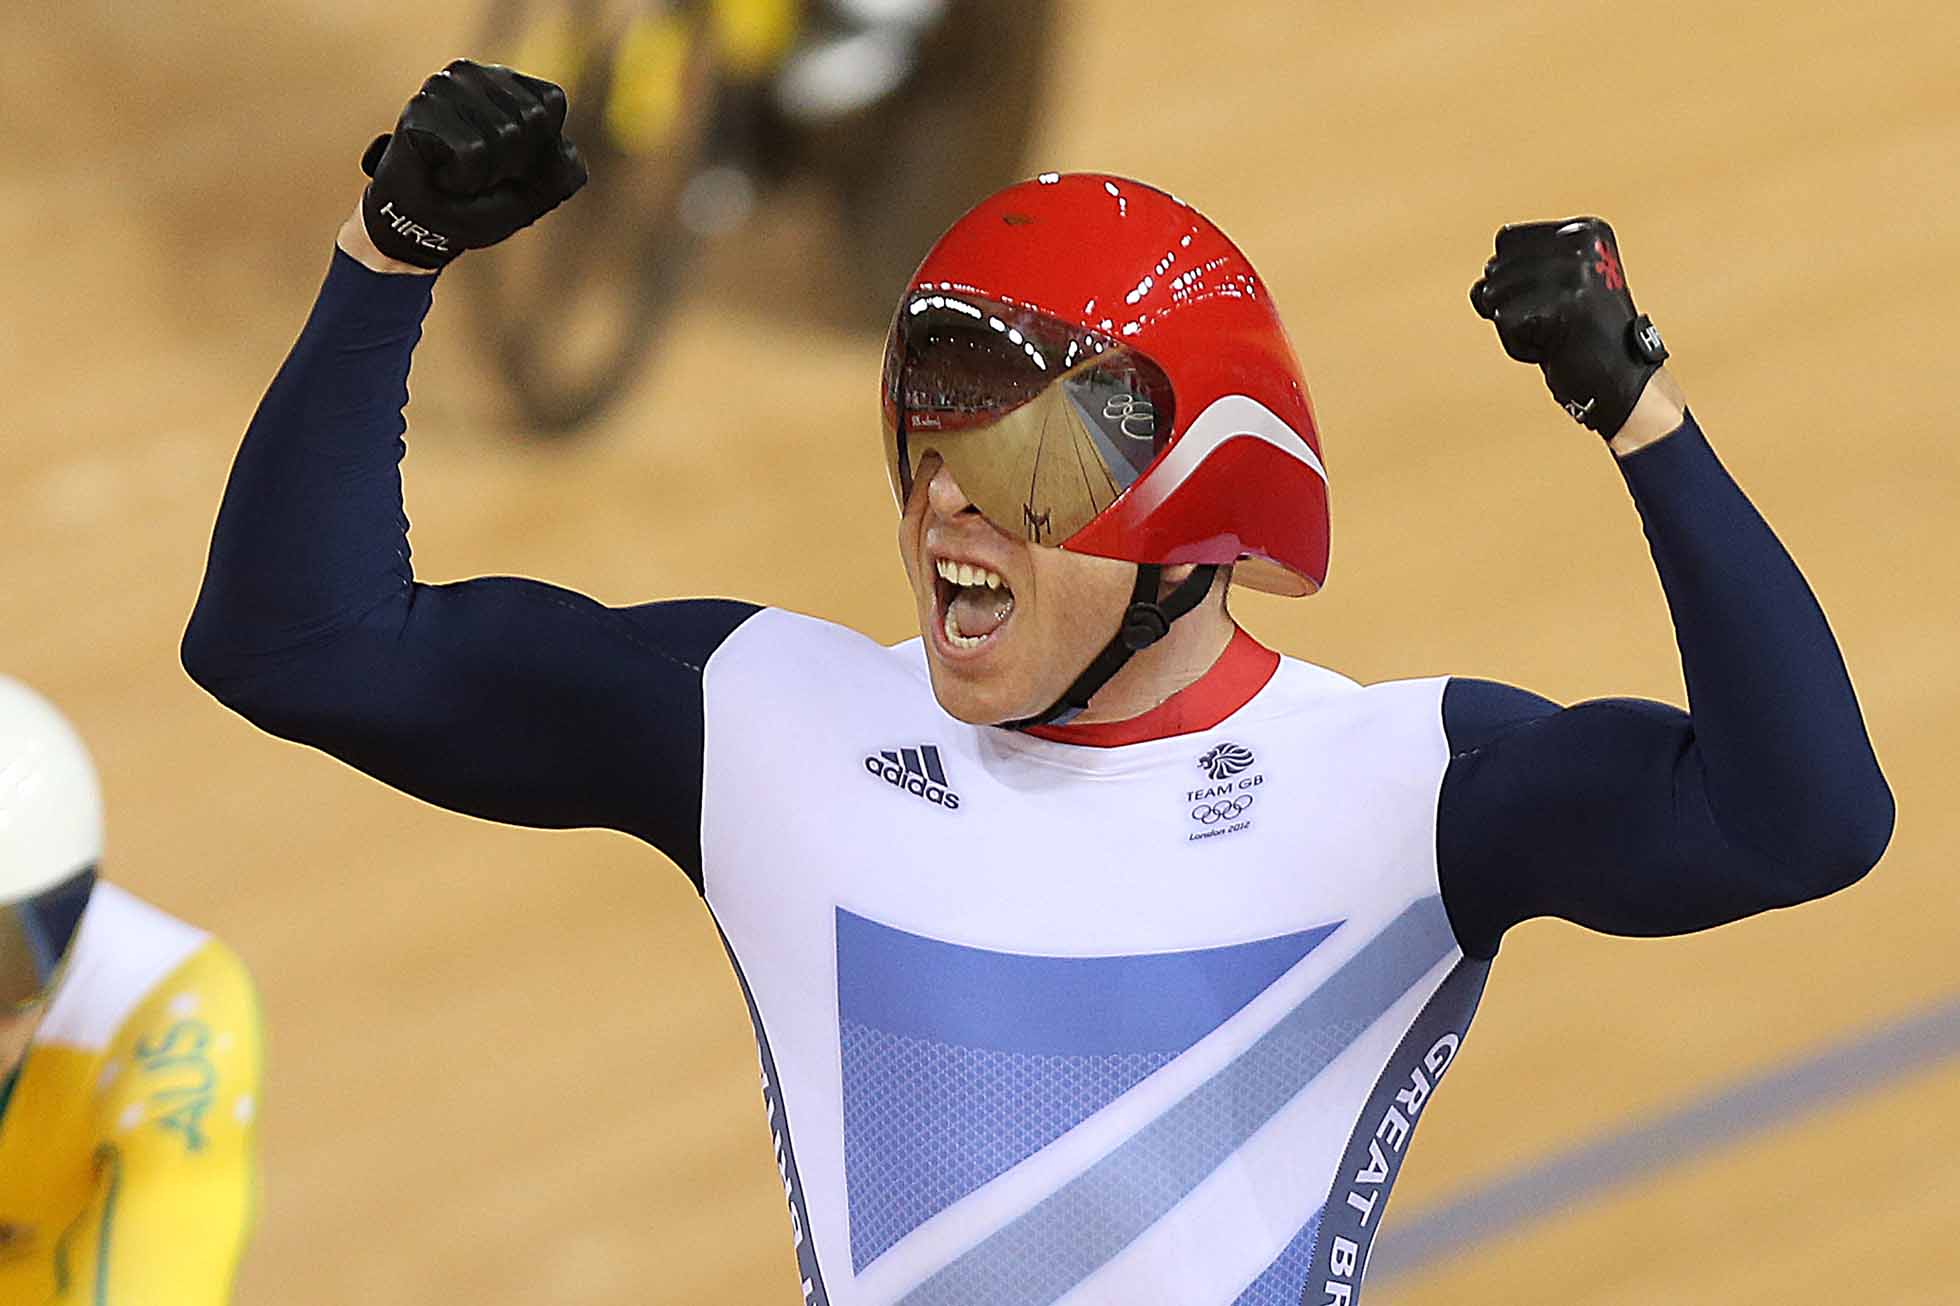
[975, 701]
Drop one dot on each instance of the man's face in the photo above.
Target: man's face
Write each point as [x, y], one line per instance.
[1008, 625]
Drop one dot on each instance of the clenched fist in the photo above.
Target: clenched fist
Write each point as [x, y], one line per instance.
[1558, 296]
[479, 153]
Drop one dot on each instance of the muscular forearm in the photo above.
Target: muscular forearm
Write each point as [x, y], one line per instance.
[501, 697]
[1637, 818]
[1788, 767]
[311, 534]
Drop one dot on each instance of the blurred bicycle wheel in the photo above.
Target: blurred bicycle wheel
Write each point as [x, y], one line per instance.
[570, 319]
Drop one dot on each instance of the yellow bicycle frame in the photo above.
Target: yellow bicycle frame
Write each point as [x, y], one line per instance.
[649, 84]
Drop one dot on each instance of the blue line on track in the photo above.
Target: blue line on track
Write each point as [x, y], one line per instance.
[1843, 1071]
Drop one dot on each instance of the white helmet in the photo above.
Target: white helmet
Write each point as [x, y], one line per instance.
[50, 803]
[50, 842]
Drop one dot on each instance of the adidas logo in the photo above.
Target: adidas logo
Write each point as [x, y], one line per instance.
[917, 771]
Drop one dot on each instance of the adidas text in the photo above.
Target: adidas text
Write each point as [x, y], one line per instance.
[917, 771]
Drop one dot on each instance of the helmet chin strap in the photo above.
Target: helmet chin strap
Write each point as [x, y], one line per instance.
[1147, 620]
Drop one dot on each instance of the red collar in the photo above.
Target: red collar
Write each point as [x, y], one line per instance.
[1241, 671]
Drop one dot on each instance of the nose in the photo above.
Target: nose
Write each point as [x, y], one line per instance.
[944, 494]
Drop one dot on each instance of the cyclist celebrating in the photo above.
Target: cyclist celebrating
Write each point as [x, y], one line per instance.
[1094, 950]
[129, 1056]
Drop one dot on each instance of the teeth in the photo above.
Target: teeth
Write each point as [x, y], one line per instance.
[966, 575]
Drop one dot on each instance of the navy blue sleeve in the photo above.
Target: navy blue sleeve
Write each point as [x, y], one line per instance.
[1637, 818]
[499, 697]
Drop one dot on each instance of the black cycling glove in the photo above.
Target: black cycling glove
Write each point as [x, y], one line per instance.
[479, 153]
[1558, 297]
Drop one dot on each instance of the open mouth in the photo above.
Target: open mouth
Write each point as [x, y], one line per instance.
[974, 603]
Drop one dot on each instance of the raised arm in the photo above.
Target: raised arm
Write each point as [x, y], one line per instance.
[1633, 817]
[503, 698]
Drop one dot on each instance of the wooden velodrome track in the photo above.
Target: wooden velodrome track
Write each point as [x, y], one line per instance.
[512, 1067]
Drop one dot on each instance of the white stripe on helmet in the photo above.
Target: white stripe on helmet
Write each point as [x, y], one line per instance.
[1227, 418]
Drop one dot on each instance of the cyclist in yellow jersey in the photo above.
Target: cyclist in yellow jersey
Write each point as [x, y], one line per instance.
[129, 1057]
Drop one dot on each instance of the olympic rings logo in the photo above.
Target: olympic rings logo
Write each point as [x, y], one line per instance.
[1226, 809]
[1126, 408]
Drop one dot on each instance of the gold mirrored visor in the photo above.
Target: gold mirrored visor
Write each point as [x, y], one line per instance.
[1042, 422]
[36, 936]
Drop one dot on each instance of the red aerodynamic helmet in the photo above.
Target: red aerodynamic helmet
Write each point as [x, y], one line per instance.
[1100, 367]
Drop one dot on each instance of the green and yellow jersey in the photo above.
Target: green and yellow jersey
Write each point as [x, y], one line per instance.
[128, 1139]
